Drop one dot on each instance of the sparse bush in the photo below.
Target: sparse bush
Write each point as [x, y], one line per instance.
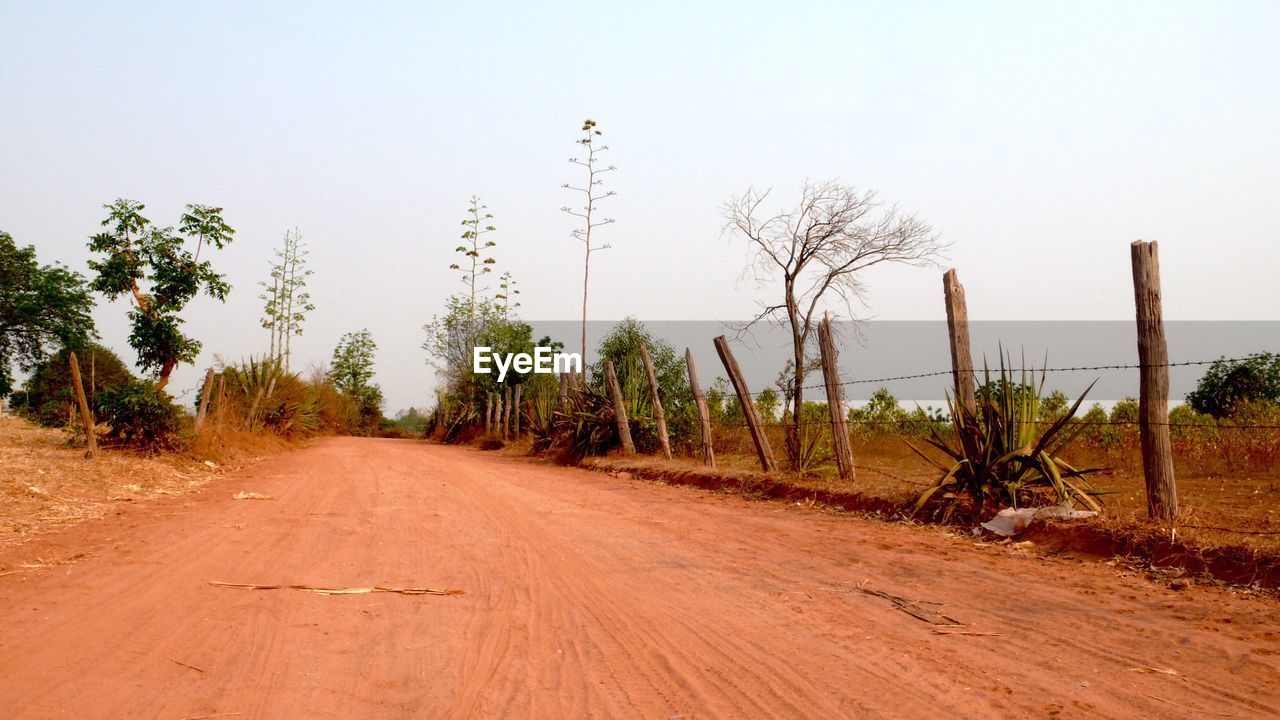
[140, 415]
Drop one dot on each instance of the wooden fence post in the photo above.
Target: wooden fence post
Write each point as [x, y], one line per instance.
[563, 398]
[658, 414]
[222, 400]
[488, 413]
[748, 404]
[86, 417]
[516, 409]
[619, 409]
[205, 392]
[835, 399]
[704, 417]
[958, 330]
[1153, 391]
[504, 411]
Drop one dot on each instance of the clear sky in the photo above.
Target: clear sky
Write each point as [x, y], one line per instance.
[1039, 138]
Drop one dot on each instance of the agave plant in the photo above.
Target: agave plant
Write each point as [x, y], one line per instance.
[1000, 454]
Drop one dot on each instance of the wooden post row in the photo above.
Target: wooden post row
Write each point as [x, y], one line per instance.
[619, 409]
[1153, 390]
[749, 410]
[704, 416]
[86, 417]
[835, 399]
[658, 415]
[958, 331]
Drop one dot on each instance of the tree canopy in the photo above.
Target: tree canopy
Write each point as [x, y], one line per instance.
[42, 307]
[154, 266]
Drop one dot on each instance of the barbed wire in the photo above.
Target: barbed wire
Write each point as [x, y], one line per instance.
[947, 423]
[1020, 370]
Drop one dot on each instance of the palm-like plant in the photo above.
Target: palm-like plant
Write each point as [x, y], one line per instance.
[999, 453]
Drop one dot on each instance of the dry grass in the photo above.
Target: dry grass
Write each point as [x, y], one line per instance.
[47, 483]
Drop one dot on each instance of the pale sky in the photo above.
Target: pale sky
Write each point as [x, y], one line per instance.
[1040, 139]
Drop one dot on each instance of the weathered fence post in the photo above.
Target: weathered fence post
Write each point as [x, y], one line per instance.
[749, 410]
[222, 400]
[958, 330]
[658, 415]
[205, 391]
[516, 409]
[1153, 390]
[563, 399]
[86, 417]
[835, 399]
[488, 413]
[504, 414]
[619, 409]
[704, 417]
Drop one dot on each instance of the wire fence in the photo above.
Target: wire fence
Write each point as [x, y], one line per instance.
[916, 421]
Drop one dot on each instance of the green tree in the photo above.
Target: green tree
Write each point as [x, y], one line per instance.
[41, 307]
[351, 371]
[154, 266]
[592, 194]
[1227, 385]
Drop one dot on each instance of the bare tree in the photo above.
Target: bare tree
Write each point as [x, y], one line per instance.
[593, 193]
[822, 245]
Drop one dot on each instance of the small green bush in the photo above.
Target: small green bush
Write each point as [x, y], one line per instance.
[139, 415]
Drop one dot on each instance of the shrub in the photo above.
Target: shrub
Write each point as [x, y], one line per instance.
[1000, 454]
[139, 415]
[1226, 385]
[48, 392]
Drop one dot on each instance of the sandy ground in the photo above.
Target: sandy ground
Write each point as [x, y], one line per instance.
[587, 596]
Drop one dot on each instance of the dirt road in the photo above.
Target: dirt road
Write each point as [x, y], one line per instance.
[586, 596]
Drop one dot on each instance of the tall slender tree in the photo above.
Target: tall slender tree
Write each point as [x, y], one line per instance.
[287, 299]
[593, 193]
[477, 262]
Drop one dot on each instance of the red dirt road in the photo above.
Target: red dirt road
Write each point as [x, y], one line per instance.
[586, 596]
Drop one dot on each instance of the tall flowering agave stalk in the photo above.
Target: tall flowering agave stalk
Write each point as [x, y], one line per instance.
[1001, 454]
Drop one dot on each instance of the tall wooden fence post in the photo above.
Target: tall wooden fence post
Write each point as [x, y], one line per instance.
[658, 415]
[749, 410]
[704, 416]
[222, 401]
[86, 417]
[619, 409]
[504, 411]
[516, 408]
[1153, 391]
[205, 392]
[835, 399]
[958, 331]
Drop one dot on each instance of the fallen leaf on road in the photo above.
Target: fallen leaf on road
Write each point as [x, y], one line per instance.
[1162, 671]
[242, 495]
[339, 591]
